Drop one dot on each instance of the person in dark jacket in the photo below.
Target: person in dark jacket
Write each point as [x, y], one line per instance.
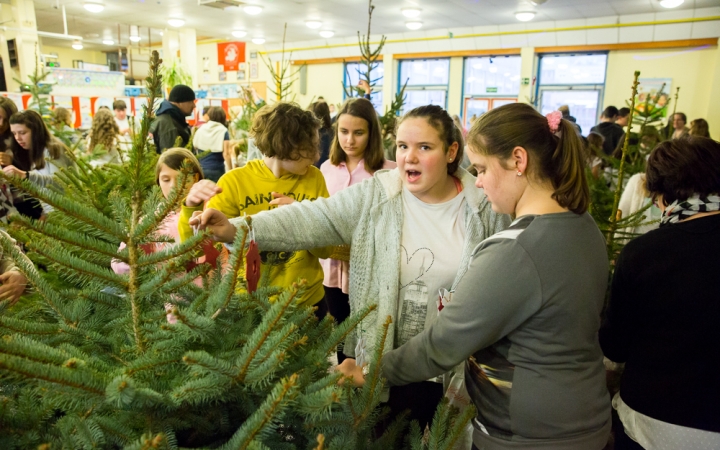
[612, 132]
[322, 112]
[170, 120]
[663, 312]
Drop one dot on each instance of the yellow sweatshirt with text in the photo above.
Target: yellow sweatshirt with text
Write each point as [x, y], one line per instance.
[248, 190]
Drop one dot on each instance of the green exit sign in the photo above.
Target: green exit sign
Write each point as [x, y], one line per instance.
[491, 90]
[52, 64]
[526, 81]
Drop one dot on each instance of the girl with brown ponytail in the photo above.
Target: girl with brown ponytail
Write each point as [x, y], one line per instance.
[525, 316]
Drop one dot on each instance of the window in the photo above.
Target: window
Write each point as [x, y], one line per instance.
[427, 82]
[489, 82]
[577, 81]
[352, 78]
[492, 76]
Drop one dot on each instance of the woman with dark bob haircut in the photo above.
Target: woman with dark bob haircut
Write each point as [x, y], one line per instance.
[662, 321]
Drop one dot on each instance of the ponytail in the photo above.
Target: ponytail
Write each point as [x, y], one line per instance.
[557, 158]
[568, 178]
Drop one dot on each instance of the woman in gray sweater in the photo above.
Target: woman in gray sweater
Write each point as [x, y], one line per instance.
[525, 315]
[412, 231]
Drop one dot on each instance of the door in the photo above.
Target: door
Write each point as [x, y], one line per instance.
[479, 106]
[583, 103]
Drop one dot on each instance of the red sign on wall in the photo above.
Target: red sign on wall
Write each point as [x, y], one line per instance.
[230, 55]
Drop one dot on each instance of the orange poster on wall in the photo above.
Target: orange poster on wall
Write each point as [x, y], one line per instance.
[230, 55]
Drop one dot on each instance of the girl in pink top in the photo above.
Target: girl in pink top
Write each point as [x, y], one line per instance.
[166, 174]
[356, 153]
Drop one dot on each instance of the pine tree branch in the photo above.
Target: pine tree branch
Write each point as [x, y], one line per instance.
[230, 278]
[172, 251]
[79, 240]
[25, 328]
[263, 332]
[50, 373]
[150, 222]
[373, 380]
[68, 206]
[271, 409]
[82, 269]
[28, 269]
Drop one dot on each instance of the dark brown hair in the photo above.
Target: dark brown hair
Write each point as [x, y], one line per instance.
[682, 116]
[6, 137]
[217, 114]
[700, 127]
[174, 158]
[119, 105]
[41, 139]
[374, 154]
[449, 133]
[286, 131]
[322, 112]
[558, 159]
[680, 168]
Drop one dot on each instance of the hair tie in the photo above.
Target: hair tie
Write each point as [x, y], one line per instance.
[554, 119]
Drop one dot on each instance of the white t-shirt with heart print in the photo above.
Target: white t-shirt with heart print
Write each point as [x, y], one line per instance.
[433, 236]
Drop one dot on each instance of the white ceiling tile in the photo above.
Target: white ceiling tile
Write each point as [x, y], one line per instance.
[487, 42]
[637, 18]
[635, 34]
[571, 37]
[602, 20]
[672, 32]
[702, 30]
[604, 36]
[512, 27]
[674, 15]
[707, 12]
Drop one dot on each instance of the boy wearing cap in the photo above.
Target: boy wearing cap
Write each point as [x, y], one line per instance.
[170, 121]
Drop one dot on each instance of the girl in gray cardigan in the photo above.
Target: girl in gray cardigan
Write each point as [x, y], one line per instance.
[412, 231]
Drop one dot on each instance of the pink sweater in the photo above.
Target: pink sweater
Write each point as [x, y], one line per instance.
[338, 178]
[169, 227]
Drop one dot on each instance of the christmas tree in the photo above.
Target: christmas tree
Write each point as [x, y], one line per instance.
[152, 359]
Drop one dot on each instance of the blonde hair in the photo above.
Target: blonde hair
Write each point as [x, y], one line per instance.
[104, 131]
[174, 158]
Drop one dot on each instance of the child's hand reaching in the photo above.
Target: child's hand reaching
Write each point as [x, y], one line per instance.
[201, 192]
[281, 199]
[216, 222]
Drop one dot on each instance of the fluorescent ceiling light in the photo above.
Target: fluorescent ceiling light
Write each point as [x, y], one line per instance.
[77, 45]
[93, 7]
[253, 10]
[239, 33]
[314, 24]
[258, 41]
[671, 3]
[176, 22]
[411, 13]
[492, 69]
[525, 16]
[108, 42]
[135, 38]
[413, 25]
[327, 34]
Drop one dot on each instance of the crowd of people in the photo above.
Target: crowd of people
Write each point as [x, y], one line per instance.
[496, 277]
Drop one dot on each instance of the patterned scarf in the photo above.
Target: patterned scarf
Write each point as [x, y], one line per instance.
[680, 210]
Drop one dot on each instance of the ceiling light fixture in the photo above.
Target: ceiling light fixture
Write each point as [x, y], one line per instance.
[414, 25]
[525, 16]
[537, 2]
[327, 34]
[671, 3]
[77, 44]
[135, 38]
[108, 42]
[258, 41]
[239, 33]
[411, 13]
[253, 10]
[314, 24]
[93, 7]
[177, 23]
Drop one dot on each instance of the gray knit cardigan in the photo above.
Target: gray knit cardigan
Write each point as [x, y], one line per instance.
[368, 216]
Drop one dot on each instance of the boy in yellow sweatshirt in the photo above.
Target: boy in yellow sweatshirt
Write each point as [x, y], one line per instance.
[288, 138]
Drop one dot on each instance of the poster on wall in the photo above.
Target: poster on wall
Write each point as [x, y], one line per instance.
[230, 55]
[222, 76]
[650, 88]
[253, 69]
[241, 71]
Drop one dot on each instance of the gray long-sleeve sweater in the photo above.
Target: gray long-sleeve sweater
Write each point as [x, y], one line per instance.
[525, 318]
